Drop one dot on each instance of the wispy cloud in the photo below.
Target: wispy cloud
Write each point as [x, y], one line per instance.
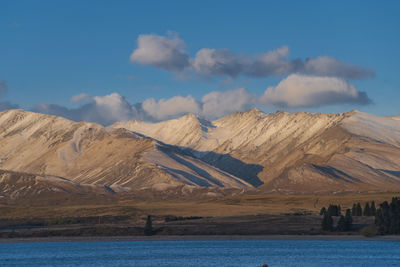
[168, 53]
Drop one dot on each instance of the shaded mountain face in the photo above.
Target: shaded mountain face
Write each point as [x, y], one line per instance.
[42, 155]
[299, 152]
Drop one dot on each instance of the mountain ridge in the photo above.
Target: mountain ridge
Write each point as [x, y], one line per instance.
[88, 153]
[286, 144]
[251, 151]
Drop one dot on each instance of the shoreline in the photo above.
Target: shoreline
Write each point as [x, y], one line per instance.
[203, 238]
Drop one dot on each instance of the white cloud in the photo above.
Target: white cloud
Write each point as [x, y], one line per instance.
[168, 53]
[310, 91]
[161, 52]
[294, 91]
[328, 66]
[273, 63]
[167, 108]
[81, 98]
[102, 109]
[217, 104]
[217, 62]
[212, 105]
[113, 107]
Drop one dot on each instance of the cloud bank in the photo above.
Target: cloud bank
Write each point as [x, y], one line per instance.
[168, 53]
[174, 106]
[101, 109]
[310, 91]
[294, 91]
[218, 104]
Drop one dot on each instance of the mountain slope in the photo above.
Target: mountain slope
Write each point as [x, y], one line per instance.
[89, 154]
[283, 152]
[299, 152]
[31, 189]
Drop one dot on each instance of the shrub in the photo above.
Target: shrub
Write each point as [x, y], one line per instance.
[368, 231]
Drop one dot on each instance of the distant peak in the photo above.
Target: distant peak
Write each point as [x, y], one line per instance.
[252, 112]
[190, 115]
[279, 111]
[255, 111]
[196, 119]
[352, 112]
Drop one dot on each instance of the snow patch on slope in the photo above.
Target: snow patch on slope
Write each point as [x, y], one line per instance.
[382, 129]
[395, 118]
[249, 130]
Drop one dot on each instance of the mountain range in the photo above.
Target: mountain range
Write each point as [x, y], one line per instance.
[43, 156]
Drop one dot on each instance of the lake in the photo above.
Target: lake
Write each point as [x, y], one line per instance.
[202, 253]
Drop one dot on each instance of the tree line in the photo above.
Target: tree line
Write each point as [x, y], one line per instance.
[369, 209]
[387, 216]
[344, 224]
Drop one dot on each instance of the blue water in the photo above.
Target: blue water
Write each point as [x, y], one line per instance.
[201, 253]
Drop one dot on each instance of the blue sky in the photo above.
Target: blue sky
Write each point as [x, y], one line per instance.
[51, 51]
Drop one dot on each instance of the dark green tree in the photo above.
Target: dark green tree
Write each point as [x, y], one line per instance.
[333, 210]
[341, 225]
[322, 211]
[348, 220]
[373, 208]
[148, 229]
[354, 210]
[387, 218]
[358, 209]
[382, 218]
[367, 210]
[395, 216]
[393, 227]
[327, 222]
